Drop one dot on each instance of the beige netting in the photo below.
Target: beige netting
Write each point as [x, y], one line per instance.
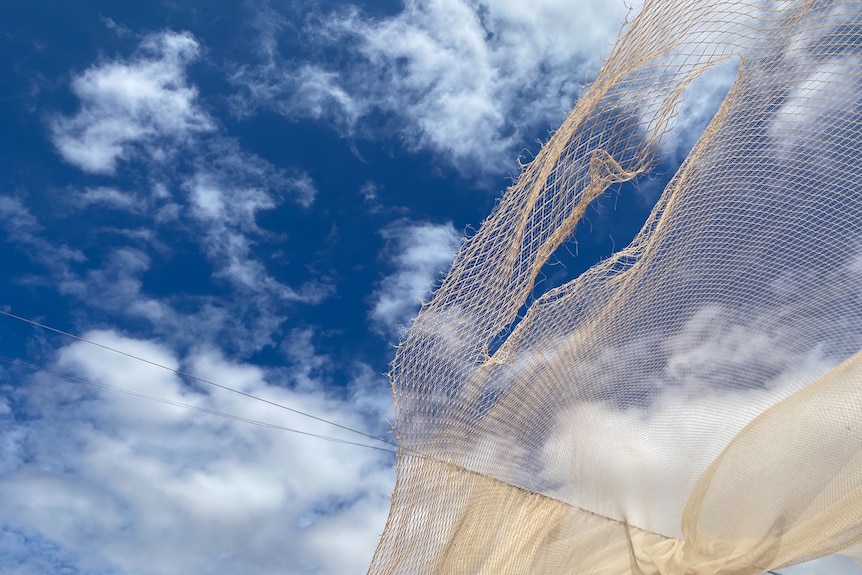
[692, 405]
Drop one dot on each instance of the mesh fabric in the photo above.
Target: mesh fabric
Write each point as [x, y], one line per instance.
[693, 404]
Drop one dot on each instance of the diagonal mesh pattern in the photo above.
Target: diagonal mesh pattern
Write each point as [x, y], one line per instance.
[692, 405]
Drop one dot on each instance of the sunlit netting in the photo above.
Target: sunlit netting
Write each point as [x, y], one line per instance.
[692, 405]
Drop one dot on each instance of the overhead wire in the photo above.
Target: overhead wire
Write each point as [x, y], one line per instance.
[138, 394]
[198, 379]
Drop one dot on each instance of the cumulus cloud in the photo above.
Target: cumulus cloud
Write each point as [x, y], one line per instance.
[419, 252]
[144, 103]
[113, 482]
[641, 464]
[469, 80]
[646, 416]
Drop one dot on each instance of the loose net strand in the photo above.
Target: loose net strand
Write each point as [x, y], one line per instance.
[693, 404]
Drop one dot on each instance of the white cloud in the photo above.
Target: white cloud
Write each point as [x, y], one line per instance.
[812, 79]
[113, 282]
[829, 565]
[641, 464]
[303, 188]
[826, 94]
[645, 418]
[108, 197]
[368, 191]
[121, 483]
[226, 211]
[698, 105]
[145, 103]
[470, 80]
[116, 286]
[419, 253]
[24, 230]
[368, 390]
[112, 25]
[18, 220]
[142, 110]
[315, 92]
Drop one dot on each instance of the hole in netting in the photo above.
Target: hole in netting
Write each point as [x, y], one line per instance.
[614, 218]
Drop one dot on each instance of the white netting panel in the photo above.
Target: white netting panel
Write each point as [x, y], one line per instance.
[693, 405]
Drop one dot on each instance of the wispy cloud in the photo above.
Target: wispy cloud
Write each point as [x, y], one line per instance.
[22, 228]
[468, 80]
[113, 283]
[142, 116]
[226, 211]
[698, 105]
[142, 105]
[105, 196]
[419, 253]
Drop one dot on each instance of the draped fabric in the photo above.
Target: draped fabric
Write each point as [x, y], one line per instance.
[693, 404]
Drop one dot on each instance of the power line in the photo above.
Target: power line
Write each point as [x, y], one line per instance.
[196, 378]
[188, 406]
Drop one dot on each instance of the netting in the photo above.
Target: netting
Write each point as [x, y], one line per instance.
[693, 404]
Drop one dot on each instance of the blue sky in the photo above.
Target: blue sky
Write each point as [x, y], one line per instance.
[260, 194]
